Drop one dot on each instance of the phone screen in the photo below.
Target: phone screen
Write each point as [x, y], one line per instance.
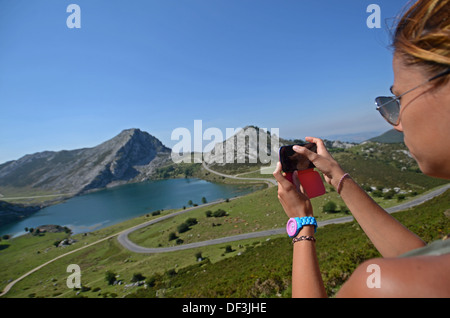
[292, 161]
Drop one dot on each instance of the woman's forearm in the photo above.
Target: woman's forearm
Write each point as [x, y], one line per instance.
[388, 235]
[306, 278]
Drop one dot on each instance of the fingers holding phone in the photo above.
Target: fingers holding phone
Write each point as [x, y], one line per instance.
[291, 195]
[295, 163]
[322, 160]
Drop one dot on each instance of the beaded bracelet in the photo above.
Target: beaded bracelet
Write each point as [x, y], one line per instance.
[303, 238]
[340, 183]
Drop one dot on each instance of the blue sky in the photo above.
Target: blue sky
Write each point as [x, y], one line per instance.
[305, 67]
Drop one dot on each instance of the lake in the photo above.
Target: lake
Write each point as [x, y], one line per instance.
[107, 207]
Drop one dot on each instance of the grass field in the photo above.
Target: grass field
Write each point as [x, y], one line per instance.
[250, 268]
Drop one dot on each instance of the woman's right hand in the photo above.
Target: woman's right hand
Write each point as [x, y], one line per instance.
[323, 161]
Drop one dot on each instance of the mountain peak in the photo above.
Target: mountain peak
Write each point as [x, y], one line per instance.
[132, 155]
[131, 131]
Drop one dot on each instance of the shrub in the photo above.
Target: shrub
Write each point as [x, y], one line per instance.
[171, 272]
[191, 221]
[110, 277]
[179, 241]
[154, 280]
[344, 209]
[330, 206]
[183, 227]
[198, 255]
[137, 277]
[219, 213]
[389, 195]
[377, 193]
[172, 236]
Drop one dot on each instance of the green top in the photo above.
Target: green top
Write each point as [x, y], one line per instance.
[440, 247]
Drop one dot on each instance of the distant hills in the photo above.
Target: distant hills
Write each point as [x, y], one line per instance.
[135, 156]
[130, 156]
[389, 137]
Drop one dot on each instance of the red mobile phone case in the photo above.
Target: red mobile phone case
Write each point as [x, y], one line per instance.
[311, 182]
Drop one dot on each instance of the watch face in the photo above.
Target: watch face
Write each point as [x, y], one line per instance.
[291, 227]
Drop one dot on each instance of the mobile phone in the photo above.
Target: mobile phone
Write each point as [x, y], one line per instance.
[310, 180]
[292, 161]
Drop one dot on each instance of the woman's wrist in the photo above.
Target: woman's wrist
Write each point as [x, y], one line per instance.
[301, 212]
[306, 230]
[338, 178]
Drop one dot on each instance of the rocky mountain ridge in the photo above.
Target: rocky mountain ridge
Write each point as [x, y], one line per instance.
[130, 156]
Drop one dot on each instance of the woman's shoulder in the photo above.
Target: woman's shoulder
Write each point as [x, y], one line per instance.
[413, 276]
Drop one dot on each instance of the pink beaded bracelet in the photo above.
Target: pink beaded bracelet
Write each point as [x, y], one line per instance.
[340, 183]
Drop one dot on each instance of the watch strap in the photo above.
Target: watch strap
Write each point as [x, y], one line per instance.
[294, 225]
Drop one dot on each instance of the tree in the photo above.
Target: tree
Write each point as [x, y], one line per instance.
[377, 193]
[154, 279]
[344, 209]
[110, 277]
[137, 277]
[172, 236]
[330, 206]
[183, 227]
[389, 195]
[190, 202]
[179, 241]
[219, 213]
[191, 221]
[204, 200]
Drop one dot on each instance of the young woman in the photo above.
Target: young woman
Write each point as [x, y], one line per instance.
[421, 110]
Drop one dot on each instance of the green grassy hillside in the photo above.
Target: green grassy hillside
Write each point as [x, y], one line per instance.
[249, 268]
[265, 270]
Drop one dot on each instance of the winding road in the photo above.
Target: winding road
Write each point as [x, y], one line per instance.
[123, 239]
[269, 181]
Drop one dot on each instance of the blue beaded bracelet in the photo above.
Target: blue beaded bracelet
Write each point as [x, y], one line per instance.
[309, 220]
[294, 225]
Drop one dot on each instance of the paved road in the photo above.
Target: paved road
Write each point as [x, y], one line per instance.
[38, 196]
[124, 240]
[123, 236]
[269, 181]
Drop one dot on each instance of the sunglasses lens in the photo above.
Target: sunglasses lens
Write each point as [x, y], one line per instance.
[389, 108]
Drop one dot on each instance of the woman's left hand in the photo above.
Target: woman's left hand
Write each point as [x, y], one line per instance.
[294, 200]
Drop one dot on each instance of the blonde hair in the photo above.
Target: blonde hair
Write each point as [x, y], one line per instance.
[422, 37]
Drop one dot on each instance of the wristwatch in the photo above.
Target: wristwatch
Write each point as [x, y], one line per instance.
[294, 225]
